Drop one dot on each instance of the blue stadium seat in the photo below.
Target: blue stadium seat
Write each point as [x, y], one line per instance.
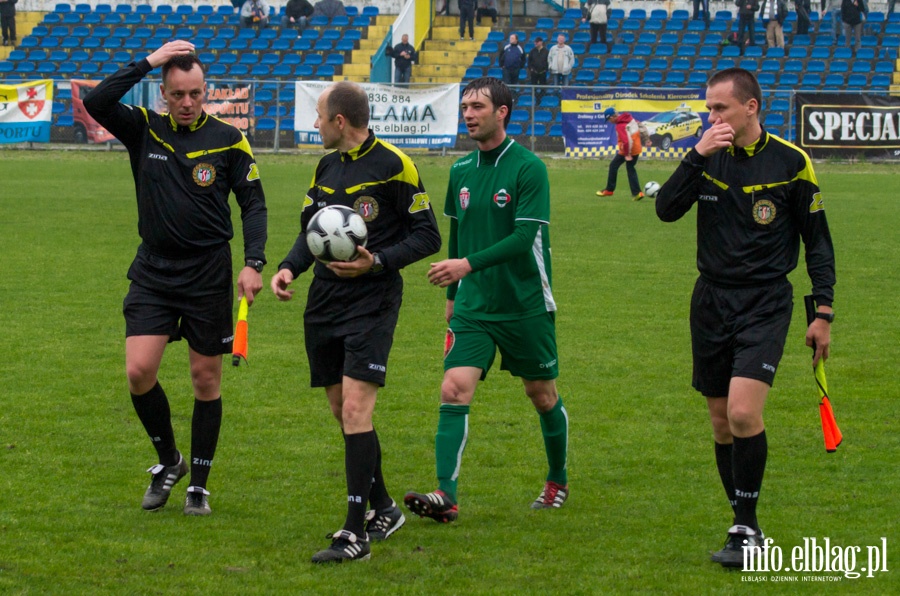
[265, 124]
[774, 120]
[815, 66]
[260, 71]
[630, 77]
[749, 64]
[792, 66]
[833, 82]
[697, 78]
[654, 77]
[675, 78]
[585, 75]
[766, 79]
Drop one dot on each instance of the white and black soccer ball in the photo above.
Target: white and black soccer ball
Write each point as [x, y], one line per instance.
[334, 232]
[651, 189]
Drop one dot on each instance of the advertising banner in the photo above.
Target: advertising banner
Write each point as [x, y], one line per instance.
[674, 118]
[407, 117]
[848, 124]
[25, 112]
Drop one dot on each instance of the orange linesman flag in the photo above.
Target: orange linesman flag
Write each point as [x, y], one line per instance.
[830, 430]
[239, 349]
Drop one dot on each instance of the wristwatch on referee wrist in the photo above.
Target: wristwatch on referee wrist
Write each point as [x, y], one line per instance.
[255, 264]
[828, 316]
[377, 265]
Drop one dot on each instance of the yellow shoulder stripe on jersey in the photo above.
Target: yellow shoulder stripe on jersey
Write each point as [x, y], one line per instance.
[807, 173]
[242, 145]
[759, 187]
[307, 202]
[718, 183]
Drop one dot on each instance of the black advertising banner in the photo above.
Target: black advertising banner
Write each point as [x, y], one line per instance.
[848, 125]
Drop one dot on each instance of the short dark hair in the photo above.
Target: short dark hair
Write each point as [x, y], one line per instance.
[183, 62]
[745, 85]
[350, 101]
[497, 90]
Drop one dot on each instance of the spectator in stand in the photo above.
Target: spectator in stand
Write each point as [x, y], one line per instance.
[802, 8]
[486, 8]
[597, 16]
[704, 6]
[329, 8]
[444, 9]
[537, 66]
[404, 55]
[255, 13]
[834, 9]
[467, 16]
[296, 14]
[747, 15]
[562, 60]
[8, 21]
[853, 13]
[773, 13]
[512, 59]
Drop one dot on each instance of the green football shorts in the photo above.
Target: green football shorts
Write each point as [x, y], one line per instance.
[527, 346]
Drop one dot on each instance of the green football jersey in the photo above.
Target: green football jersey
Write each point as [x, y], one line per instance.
[488, 192]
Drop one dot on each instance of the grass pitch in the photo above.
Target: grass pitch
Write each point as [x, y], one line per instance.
[646, 505]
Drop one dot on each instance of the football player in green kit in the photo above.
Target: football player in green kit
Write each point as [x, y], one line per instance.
[498, 294]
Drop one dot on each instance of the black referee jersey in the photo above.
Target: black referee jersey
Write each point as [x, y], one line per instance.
[754, 205]
[382, 184]
[183, 175]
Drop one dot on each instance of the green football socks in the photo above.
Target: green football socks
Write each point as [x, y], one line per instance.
[555, 428]
[449, 444]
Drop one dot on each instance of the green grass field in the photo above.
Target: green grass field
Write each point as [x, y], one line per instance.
[646, 505]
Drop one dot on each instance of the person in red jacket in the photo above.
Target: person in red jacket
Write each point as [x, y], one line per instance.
[629, 150]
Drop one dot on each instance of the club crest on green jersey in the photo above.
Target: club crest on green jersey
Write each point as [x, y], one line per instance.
[502, 198]
[464, 197]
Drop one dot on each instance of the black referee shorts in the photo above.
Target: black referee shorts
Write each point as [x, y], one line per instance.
[349, 328]
[738, 332]
[190, 298]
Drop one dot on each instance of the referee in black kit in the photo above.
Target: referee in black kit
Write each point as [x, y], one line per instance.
[185, 163]
[352, 307]
[757, 196]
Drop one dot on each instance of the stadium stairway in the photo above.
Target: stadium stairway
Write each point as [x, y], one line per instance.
[25, 22]
[444, 58]
[360, 65]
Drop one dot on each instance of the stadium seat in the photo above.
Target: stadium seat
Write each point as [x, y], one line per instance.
[749, 64]
[313, 59]
[325, 71]
[585, 75]
[654, 77]
[260, 71]
[514, 129]
[630, 77]
[216, 70]
[549, 101]
[303, 71]
[766, 79]
[265, 124]
[697, 78]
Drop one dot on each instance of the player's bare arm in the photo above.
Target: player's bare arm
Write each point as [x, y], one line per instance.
[717, 137]
[280, 283]
[443, 273]
[178, 47]
[358, 266]
[249, 283]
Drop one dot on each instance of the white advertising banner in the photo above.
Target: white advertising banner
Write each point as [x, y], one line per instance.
[404, 116]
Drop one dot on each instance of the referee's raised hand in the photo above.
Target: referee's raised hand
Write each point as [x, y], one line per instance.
[178, 47]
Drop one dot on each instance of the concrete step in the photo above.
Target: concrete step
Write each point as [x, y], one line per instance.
[452, 33]
[456, 58]
[454, 71]
[357, 69]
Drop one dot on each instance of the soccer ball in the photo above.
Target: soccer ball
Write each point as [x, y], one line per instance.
[334, 232]
[651, 189]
